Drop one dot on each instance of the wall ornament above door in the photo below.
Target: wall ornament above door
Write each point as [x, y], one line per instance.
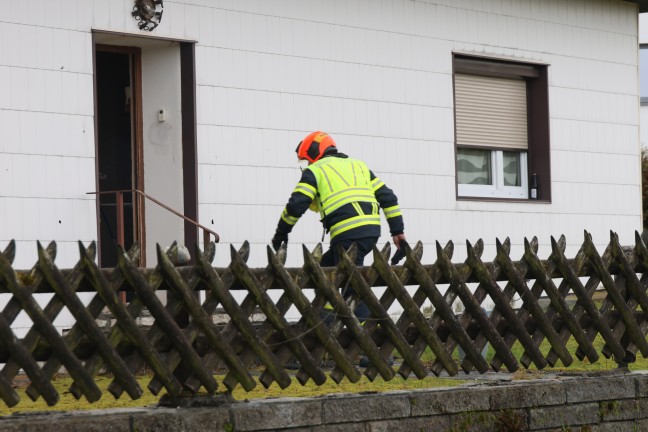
[148, 13]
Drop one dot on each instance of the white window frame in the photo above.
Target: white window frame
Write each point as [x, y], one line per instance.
[497, 189]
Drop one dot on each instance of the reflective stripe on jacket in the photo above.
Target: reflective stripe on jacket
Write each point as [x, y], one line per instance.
[342, 181]
[348, 197]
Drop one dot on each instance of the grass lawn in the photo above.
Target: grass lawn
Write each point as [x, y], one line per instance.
[68, 402]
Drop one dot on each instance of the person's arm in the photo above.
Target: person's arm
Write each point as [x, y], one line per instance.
[389, 203]
[299, 201]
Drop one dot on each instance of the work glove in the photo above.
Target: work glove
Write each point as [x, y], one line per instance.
[278, 239]
[400, 253]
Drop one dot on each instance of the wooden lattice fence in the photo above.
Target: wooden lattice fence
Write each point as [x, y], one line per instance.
[184, 346]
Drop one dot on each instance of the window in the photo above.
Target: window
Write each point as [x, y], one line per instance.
[502, 129]
[492, 173]
[643, 73]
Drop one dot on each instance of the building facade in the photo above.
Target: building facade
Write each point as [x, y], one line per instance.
[454, 104]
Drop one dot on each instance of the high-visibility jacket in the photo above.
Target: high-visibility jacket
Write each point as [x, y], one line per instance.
[347, 195]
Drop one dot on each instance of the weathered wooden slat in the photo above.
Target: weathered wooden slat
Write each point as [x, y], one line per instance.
[531, 308]
[21, 357]
[613, 294]
[346, 315]
[335, 327]
[639, 260]
[634, 286]
[202, 320]
[473, 307]
[503, 310]
[190, 352]
[585, 303]
[286, 350]
[47, 329]
[532, 303]
[558, 302]
[293, 295]
[13, 308]
[30, 341]
[352, 347]
[445, 312]
[112, 360]
[218, 293]
[313, 321]
[435, 321]
[127, 324]
[377, 310]
[156, 333]
[480, 294]
[241, 324]
[258, 290]
[239, 321]
[142, 354]
[371, 324]
[183, 370]
[412, 312]
[525, 313]
[194, 280]
[10, 252]
[74, 337]
[465, 319]
[147, 295]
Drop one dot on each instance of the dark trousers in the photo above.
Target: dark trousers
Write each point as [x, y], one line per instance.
[331, 257]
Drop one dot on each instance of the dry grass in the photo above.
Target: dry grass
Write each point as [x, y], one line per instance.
[68, 402]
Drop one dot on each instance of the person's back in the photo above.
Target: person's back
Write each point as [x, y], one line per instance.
[347, 195]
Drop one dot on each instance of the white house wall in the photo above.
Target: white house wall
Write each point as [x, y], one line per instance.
[46, 133]
[643, 123]
[376, 75]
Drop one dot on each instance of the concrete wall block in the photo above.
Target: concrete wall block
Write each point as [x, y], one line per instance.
[443, 401]
[482, 421]
[276, 414]
[641, 383]
[623, 409]
[563, 415]
[346, 427]
[528, 394]
[421, 424]
[200, 420]
[87, 421]
[623, 426]
[373, 407]
[642, 425]
[600, 389]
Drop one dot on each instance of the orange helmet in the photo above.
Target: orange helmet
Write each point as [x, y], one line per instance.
[313, 147]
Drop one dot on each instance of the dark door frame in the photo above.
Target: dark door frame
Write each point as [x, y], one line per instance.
[189, 140]
[136, 138]
[189, 131]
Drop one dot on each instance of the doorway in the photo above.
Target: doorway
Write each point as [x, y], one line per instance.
[118, 148]
[146, 135]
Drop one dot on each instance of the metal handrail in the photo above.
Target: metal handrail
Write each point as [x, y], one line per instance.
[119, 197]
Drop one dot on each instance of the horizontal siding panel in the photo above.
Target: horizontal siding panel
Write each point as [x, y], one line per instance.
[378, 77]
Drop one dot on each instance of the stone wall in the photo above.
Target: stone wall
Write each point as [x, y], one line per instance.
[606, 402]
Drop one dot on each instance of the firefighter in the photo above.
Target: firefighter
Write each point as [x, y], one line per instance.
[347, 196]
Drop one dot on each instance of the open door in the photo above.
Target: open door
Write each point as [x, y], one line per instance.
[119, 149]
[145, 118]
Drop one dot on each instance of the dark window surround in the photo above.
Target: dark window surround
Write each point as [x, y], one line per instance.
[536, 76]
[643, 84]
[189, 142]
